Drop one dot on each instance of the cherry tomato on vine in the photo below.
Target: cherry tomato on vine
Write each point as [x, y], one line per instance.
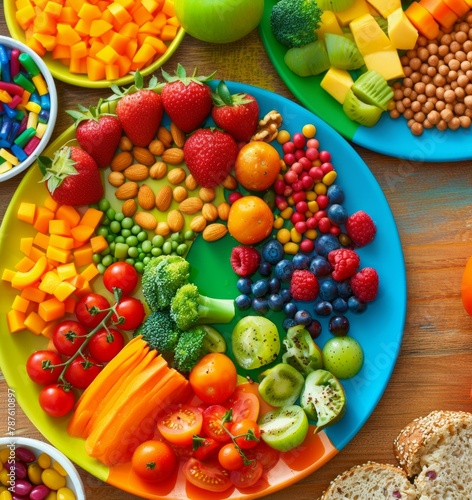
[121, 275]
[207, 448]
[244, 428]
[243, 405]
[213, 423]
[211, 477]
[56, 401]
[86, 307]
[229, 457]
[106, 344]
[154, 461]
[132, 311]
[82, 372]
[214, 378]
[68, 336]
[179, 423]
[247, 475]
[37, 363]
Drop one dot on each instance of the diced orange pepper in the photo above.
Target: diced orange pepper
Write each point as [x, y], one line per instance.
[24, 264]
[53, 8]
[58, 254]
[130, 30]
[141, 16]
[61, 52]
[82, 233]
[99, 27]
[89, 12]
[66, 35]
[79, 50]
[90, 272]
[68, 15]
[119, 42]
[120, 13]
[16, 321]
[45, 23]
[50, 203]
[66, 271]
[159, 46]
[83, 27]
[95, 69]
[150, 5]
[168, 8]
[84, 290]
[144, 54]
[20, 304]
[33, 294]
[78, 65]
[25, 16]
[159, 20]
[59, 226]
[173, 21]
[68, 213]
[35, 45]
[41, 219]
[112, 72]
[49, 282]
[26, 244]
[34, 323]
[46, 41]
[168, 32]
[149, 28]
[36, 254]
[83, 255]
[51, 309]
[64, 290]
[131, 49]
[124, 63]
[41, 240]
[26, 212]
[62, 242]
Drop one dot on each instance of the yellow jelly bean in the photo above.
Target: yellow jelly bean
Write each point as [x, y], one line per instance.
[283, 136]
[65, 494]
[291, 248]
[295, 236]
[313, 206]
[309, 130]
[44, 461]
[4, 477]
[320, 188]
[3, 488]
[286, 213]
[283, 236]
[52, 479]
[329, 178]
[278, 223]
[290, 200]
[4, 454]
[311, 196]
[6, 495]
[34, 473]
[311, 234]
[58, 467]
[52, 495]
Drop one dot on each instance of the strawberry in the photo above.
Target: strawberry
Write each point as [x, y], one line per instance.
[237, 114]
[97, 132]
[210, 155]
[186, 99]
[139, 110]
[72, 177]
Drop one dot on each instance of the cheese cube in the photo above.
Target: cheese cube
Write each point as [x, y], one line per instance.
[401, 32]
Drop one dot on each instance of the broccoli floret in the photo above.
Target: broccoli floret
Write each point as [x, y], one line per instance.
[160, 332]
[294, 22]
[189, 308]
[162, 277]
[190, 348]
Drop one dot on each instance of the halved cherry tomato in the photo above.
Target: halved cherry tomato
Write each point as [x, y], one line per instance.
[244, 405]
[56, 401]
[120, 275]
[247, 475]
[249, 432]
[213, 423]
[229, 457]
[264, 454]
[130, 313]
[154, 461]
[88, 307]
[106, 344]
[82, 372]
[37, 367]
[179, 423]
[211, 477]
[68, 336]
[207, 448]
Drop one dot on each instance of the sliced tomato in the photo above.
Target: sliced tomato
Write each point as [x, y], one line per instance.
[179, 423]
[210, 477]
[213, 423]
[247, 475]
[263, 454]
[245, 405]
[207, 448]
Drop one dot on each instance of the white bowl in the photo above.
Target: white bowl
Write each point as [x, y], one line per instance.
[15, 44]
[74, 482]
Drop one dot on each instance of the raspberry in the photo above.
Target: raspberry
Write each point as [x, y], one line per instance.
[365, 284]
[245, 260]
[345, 263]
[304, 285]
[360, 228]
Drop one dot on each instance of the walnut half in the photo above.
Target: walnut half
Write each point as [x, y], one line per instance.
[268, 127]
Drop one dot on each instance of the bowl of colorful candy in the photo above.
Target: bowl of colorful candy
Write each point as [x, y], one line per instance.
[28, 107]
[36, 470]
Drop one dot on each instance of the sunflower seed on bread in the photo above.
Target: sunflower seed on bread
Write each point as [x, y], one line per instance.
[371, 481]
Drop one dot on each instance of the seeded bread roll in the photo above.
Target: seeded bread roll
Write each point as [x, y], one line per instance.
[371, 481]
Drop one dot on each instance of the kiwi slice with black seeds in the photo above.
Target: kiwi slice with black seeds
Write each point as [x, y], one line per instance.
[343, 52]
[281, 385]
[359, 111]
[372, 88]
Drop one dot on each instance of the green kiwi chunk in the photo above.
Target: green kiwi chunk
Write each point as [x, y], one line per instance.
[359, 111]
[280, 385]
[311, 59]
[213, 340]
[301, 350]
[372, 88]
[335, 5]
[343, 52]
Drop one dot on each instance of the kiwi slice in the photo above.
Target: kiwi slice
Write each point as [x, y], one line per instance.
[359, 111]
[284, 428]
[301, 350]
[323, 398]
[372, 88]
[311, 59]
[335, 5]
[280, 385]
[213, 341]
[343, 52]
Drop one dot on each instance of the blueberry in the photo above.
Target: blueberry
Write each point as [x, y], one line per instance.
[323, 308]
[260, 305]
[320, 266]
[243, 302]
[337, 214]
[290, 309]
[244, 285]
[314, 328]
[355, 305]
[328, 290]
[274, 285]
[326, 243]
[265, 268]
[303, 317]
[288, 323]
[340, 305]
[301, 261]
[260, 288]
[286, 295]
[344, 289]
[284, 270]
[276, 302]
[272, 251]
[335, 194]
[339, 325]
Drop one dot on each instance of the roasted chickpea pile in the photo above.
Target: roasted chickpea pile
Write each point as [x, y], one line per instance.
[437, 88]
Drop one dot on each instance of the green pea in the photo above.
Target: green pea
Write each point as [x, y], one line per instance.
[107, 260]
[115, 227]
[189, 234]
[141, 255]
[158, 240]
[103, 205]
[146, 260]
[101, 268]
[121, 250]
[156, 251]
[131, 261]
[167, 248]
[106, 251]
[111, 247]
[97, 258]
[182, 249]
[119, 216]
[120, 239]
[177, 237]
[142, 235]
[102, 231]
[174, 245]
[125, 232]
[127, 223]
[106, 221]
[139, 266]
[110, 213]
[110, 238]
[136, 229]
[146, 246]
[133, 252]
[132, 241]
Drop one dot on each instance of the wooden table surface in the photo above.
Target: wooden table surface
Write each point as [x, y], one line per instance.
[431, 203]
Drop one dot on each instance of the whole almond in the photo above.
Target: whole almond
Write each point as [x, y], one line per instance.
[163, 198]
[175, 220]
[176, 175]
[230, 183]
[129, 208]
[198, 223]
[144, 156]
[207, 194]
[145, 220]
[162, 228]
[223, 210]
[190, 182]
[137, 172]
[146, 198]
[173, 156]
[125, 144]
[158, 170]
[177, 135]
[116, 179]
[127, 190]
[121, 161]
[164, 136]
[156, 147]
[179, 193]
[191, 205]
[210, 212]
[214, 231]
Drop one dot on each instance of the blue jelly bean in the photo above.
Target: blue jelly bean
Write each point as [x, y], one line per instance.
[18, 152]
[43, 116]
[45, 102]
[11, 113]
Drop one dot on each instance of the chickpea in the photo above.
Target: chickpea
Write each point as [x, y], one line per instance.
[408, 114]
[455, 46]
[434, 117]
[432, 48]
[421, 98]
[433, 60]
[440, 105]
[432, 71]
[452, 76]
[465, 121]
[406, 102]
[460, 56]
[454, 123]
[422, 41]
[426, 79]
[410, 54]
[407, 70]
[461, 36]
[415, 77]
[448, 57]
[441, 125]
[394, 114]
[407, 82]
[427, 124]
[462, 81]
[446, 115]
[465, 65]
[440, 93]
[430, 90]
[449, 96]
[400, 107]
[397, 94]
[459, 93]
[416, 128]
[443, 50]
[446, 39]
[468, 101]
[454, 64]
[439, 80]
[416, 107]
[459, 109]
[407, 92]
[423, 53]
[467, 45]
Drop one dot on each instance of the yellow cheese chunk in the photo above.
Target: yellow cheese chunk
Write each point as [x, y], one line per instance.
[368, 35]
[357, 9]
[385, 7]
[337, 83]
[329, 24]
[401, 32]
[385, 62]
